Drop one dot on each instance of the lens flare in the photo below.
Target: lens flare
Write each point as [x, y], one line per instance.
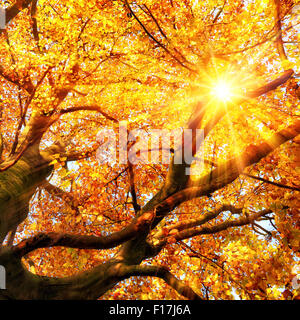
[222, 91]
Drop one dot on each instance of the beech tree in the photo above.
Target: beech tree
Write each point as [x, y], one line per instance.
[72, 227]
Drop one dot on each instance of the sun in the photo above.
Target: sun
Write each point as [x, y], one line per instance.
[222, 91]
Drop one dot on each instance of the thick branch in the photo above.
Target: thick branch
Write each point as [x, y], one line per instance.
[52, 239]
[177, 174]
[22, 284]
[272, 85]
[250, 94]
[14, 10]
[230, 170]
[163, 273]
[18, 183]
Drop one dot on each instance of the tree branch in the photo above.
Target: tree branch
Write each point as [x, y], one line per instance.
[214, 263]
[272, 85]
[136, 206]
[77, 155]
[186, 224]
[82, 286]
[11, 237]
[52, 239]
[34, 22]
[89, 108]
[227, 172]
[64, 195]
[178, 171]
[278, 39]
[280, 185]
[163, 273]
[155, 40]
[22, 120]
[14, 10]
[26, 83]
[192, 232]
[162, 32]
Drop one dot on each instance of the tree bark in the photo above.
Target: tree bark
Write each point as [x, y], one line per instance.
[17, 185]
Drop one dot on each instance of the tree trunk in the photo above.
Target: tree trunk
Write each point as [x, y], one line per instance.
[17, 185]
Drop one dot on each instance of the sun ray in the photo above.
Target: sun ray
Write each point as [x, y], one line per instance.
[222, 91]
